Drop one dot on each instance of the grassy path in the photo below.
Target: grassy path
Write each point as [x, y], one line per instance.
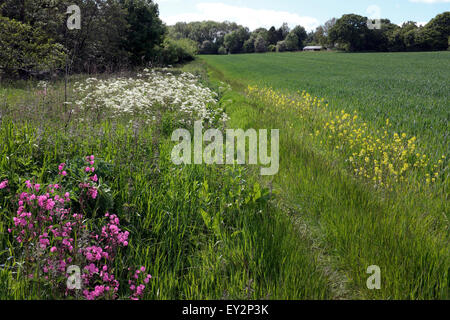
[349, 225]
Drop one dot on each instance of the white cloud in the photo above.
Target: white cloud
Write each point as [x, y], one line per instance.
[252, 18]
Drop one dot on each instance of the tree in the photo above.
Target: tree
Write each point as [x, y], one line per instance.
[283, 31]
[301, 34]
[249, 46]
[234, 41]
[292, 42]
[146, 31]
[260, 44]
[272, 36]
[438, 31]
[351, 32]
[26, 50]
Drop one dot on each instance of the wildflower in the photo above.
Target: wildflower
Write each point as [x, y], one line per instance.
[3, 184]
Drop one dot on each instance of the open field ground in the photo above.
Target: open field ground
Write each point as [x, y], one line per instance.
[363, 180]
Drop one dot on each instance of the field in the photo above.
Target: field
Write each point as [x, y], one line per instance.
[353, 190]
[409, 88]
[394, 215]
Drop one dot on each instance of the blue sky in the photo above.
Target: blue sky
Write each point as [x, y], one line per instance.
[309, 13]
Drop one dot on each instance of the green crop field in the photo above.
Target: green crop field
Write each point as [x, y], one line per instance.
[363, 181]
[412, 89]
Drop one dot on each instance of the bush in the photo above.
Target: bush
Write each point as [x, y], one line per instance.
[178, 51]
[27, 50]
[222, 50]
[272, 48]
[281, 46]
[208, 47]
[260, 45]
[249, 46]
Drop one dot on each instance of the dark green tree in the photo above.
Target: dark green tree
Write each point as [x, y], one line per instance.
[351, 32]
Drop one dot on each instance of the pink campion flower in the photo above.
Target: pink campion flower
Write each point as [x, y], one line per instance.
[93, 193]
[37, 187]
[50, 204]
[92, 158]
[61, 166]
[94, 178]
[87, 169]
[28, 183]
[3, 184]
[53, 249]
[64, 173]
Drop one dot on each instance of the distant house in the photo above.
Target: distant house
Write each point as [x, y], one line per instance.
[313, 48]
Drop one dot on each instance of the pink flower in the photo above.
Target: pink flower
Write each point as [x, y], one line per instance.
[93, 193]
[61, 166]
[37, 187]
[64, 173]
[4, 184]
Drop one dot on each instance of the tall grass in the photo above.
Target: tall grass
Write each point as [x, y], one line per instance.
[203, 232]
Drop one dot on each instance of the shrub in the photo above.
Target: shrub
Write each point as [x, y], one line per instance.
[222, 50]
[27, 50]
[178, 51]
[249, 46]
[281, 46]
[260, 44]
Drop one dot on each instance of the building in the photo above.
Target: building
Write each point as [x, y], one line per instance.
[313, 48]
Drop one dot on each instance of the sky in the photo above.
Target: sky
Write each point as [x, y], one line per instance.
[308, 13]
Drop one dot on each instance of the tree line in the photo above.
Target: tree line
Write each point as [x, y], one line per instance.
[113, 35]
[228, 37]
[350, 33]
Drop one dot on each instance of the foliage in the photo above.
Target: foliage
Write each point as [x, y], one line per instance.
[350, 32]
[260, 45]
[114, 34]
[235, 40]
[178, 51]
[26, 50]
[145, 31]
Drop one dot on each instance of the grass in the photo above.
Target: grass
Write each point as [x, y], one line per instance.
[224, 232]
[203, 232]
[403, 230]
[409, 88]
